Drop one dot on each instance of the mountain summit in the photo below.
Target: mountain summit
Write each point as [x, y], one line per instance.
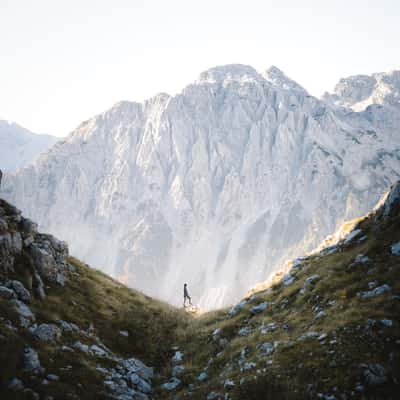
[216, 186]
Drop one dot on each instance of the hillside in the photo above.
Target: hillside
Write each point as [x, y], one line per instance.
[218, 185]
[68, 331]
[20, 147]
[327, 329]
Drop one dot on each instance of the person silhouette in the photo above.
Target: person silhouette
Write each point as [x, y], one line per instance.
[186, 295]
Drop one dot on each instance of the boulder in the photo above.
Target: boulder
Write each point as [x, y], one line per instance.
[311, 280]
[178, 370]
[259, 308]
[47, 332]
[202, 377]
[395, 249]
[28, 227]
[31, 362]
[392, 202]
[244, 331]
[178, 357]
[20, 290]
[378, 291]
[98, 351]
[23, 310]
[374, 375]
[172, 384]
[7, 293]
[266, 349]
[237, 308]
[44, 263]
[15, 385]
[3, 226]
[270, 327]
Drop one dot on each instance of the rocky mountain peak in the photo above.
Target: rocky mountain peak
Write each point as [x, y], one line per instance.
[230, 72]
[279, 80]
[360, 91]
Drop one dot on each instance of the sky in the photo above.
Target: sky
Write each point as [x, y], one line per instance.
[64, 61]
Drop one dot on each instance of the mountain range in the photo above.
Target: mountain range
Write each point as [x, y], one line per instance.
[218, 185]
[20, 147]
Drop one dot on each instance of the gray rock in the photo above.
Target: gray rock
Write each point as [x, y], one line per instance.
[98, 351]
[7, 293]
[28, 227]
[309, 335]
[31, 362]
[361, 259]
[244, 331]
[387, 322]
[378, 291]
[395, 249]
[84, 348]
[47, 332]
[259, 308]
[38, 286]
[68, 326]
[352, 235]
[16, 243]
[392, 200]
[178, 370]
[214, 396]
[271, 327]
[311, 280]
[46, 265]
[375, 375]
[144, 386]
[322, 337]
[320, 314]
[178, 357]
[228, 384]
[23, 310]
[20, 290]
[372, 285]
[237, 308]
[172, 384]
[124, 333]
[202, 377]
[3, 226]
[15, 385]
[248, 365]
[266, 349]
[288, 280]
[53, 377]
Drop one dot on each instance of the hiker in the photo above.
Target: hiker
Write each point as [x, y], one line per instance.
[186, 295]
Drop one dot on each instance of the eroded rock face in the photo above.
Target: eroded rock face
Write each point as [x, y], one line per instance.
[37, 257]
[198, 186]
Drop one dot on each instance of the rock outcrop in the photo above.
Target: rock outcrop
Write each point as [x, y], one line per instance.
[39, 258]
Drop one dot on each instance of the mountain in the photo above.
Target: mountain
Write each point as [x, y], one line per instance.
[19, 147]
[217, 186]
[326, 329]
[360, 91]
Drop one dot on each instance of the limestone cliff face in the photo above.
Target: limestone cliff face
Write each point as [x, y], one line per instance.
[216, 186]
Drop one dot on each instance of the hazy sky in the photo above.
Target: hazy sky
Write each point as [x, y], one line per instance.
[64, 61]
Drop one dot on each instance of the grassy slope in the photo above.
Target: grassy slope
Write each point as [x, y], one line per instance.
[300, 363]
[88, 297]
[154, 327]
